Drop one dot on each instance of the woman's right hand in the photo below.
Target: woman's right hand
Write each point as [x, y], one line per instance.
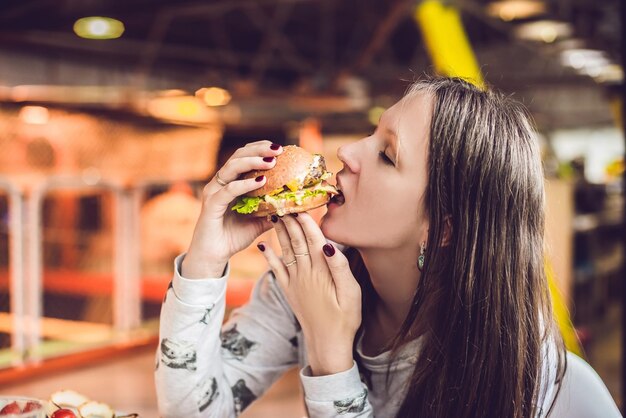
[220, 232]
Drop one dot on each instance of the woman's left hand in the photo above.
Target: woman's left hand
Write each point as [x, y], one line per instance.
[321, 290]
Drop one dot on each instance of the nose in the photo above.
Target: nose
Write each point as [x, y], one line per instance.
[347, 155]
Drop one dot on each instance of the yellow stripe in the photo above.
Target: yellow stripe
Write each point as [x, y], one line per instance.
[561, 314]
[446, 41]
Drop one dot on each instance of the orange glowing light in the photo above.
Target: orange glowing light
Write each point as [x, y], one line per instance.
[509, 10]
[214, 96]
[34, 115]
[181, 109]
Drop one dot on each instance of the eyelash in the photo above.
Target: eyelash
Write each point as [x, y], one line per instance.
[384, 157]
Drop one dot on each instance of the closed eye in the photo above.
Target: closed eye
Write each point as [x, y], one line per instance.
[385, 159]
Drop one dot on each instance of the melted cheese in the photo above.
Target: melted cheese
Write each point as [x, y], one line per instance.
[294, 185]
[280, 203]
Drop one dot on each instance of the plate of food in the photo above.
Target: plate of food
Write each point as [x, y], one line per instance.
[71, 404]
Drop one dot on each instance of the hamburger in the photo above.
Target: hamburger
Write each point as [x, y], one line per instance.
[296, 183]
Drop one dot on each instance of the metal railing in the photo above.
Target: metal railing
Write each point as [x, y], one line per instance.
[16, 266]
[25, 231]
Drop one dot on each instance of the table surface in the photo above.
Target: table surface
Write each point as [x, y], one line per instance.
[127, 384]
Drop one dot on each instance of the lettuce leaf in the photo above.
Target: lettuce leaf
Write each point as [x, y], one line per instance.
[247, 204]
[307, 193]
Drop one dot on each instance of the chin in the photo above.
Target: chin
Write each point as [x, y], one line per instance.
[333, 230]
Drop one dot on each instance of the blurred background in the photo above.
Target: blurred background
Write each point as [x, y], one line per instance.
[114, 114]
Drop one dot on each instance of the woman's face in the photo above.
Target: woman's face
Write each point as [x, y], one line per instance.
[383, 181]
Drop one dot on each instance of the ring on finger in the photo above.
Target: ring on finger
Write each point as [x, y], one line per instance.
[291, 263]
[219, 180]
[301, 255]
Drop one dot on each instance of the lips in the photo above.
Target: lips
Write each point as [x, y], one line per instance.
[339, 198]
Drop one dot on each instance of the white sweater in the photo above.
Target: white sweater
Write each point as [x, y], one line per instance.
[206, 370]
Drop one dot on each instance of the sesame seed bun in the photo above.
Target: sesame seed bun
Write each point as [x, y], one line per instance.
[293, 163]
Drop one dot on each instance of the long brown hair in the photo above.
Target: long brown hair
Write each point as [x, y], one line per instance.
[482, 303]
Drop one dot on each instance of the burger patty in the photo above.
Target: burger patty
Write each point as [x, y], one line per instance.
[317, 170]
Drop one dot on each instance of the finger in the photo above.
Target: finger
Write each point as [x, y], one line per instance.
[226, 194]
[298, 243]
[238, 166]
[263, 148]
[339, 269]
[285, 244]
[234, 168]
[276, 265]
[314, 237]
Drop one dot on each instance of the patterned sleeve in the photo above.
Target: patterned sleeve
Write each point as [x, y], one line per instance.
[341, 394]
[205, 369]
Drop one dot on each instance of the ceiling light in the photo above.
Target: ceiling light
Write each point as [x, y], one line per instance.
[214, 96]
[612, 73]
[594, 63]
[584, 58]
[508, 10]
[546, 31]
[98, 27]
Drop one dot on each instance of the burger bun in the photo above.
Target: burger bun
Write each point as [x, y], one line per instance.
[294, 162]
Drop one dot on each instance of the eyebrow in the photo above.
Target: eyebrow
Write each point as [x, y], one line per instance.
[390, 133]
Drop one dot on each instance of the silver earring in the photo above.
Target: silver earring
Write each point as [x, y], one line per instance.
[422, 258]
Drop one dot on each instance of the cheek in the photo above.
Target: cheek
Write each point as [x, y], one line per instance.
[389, 221]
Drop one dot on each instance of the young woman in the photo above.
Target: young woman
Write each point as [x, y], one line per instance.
[439, 306]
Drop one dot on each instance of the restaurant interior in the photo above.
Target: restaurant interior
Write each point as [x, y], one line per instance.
[115, 114]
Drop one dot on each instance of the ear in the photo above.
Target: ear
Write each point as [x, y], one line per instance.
[447, 231]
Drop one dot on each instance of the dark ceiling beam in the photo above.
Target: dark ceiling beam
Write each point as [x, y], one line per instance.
[153, 45]
[279, 41]
[128, 48]
[327, 38]
[270, 29]
[399, 11]
[208, 8]
[21, 9]
[290, 55]
[222, 41]
[166, 15]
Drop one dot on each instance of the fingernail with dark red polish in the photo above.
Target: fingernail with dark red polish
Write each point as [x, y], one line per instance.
[329, 250]
[274, 218]
[274, 147]
[261, 247]
[268, 159]
[259, 179]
